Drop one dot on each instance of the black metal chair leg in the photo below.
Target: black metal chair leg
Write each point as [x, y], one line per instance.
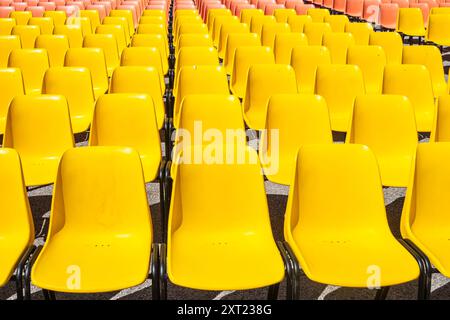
[163, 271]
[155, 272]
[46, 294]
[296, 271]
[272, 293]
[19, 287]
[382, 293]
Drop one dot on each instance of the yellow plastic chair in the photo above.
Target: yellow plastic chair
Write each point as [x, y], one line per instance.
[284, 43]
[59, 17]
[430, 57]
[108, 44]
[330, 238]
[199, 80]
[191, 28]
[184, 20]
[271, 30]
[38, 128]
[225, 31]
[115, 30]
[152, 20]
[257, 23]
[21, 17]
[33, 63]
[121, 21]
[144, 57]
[339, 98]
[190, 56]
[217, 25]
[424, 219]
[318, 14]
[410, 22]
[45, 24]
[441, 128]
[154, 29]
[305, 61]
[371, 60]
[83, 22]
[438, 25]
[386, 124]
[247, 14]
[94, 60]
[27, 34]
[193, 40]
[392, 45]
[282, 15]
[413, 81]
[232, 258]
[128, 119]
[154, 12]
[153, 40]
[17, 229]
[244, 57]
[219, 112]
[314, 31]
[56, 46]
[6, 26]
[126, 14]
[361, 32]
[337, 22]
[7, 44]
[72, 32]
[142, 80]
[106, 209]
[12, 85]
[212, 13]
[263, 81]
[297, 23]
[75, 84]
[93, 17]
[338, 43]
[234, 41]
[308, 123]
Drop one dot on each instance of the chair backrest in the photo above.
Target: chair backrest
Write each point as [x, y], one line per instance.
[56, 46]
[386, 124]
[410, 22]
[21, 17]
[129, 120]
[94, 60]
[413, 81]
[314, 31]
[15, 213]
[257, 22]
[357, 204]
[284, 43]
[337, 22]
[371, 60]
[361, 32]
[142, 80]
[262, 82]
[354, 8]
[94, 17]
[244, 57]
[305, 61]
[318, 14]
[437, 25]
[339, 99]
[6, 26]
[121, 21]
[392, 44]
[72, 32]
[45, 24]
[199, 80]
[12, 85]
[33, 63]
[297, 23]
[282, 14]
[441, 128]
[59, 17]
[117, 31]
[108, 43]
[76, 85]
[226, 30]
[217, 25]
[269, 32]
[83, 22]
[247, 14]
[7, 44]
[112, 179]
[338, 43]
[308, 123]
[388, 15]
[27, 34]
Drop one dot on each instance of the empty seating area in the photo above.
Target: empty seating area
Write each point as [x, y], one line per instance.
[199, 106]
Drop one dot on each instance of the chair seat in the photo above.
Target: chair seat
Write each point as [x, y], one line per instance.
[150, 164]
[340, 121]
[424, 120]
[395, 170]
[99, 91]
[106, 262]
[223, 261]
[436, 245]
[282, 172]
[11, 248]
[256, 118]
[39, 170]
[81, 122]
[350, 262]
